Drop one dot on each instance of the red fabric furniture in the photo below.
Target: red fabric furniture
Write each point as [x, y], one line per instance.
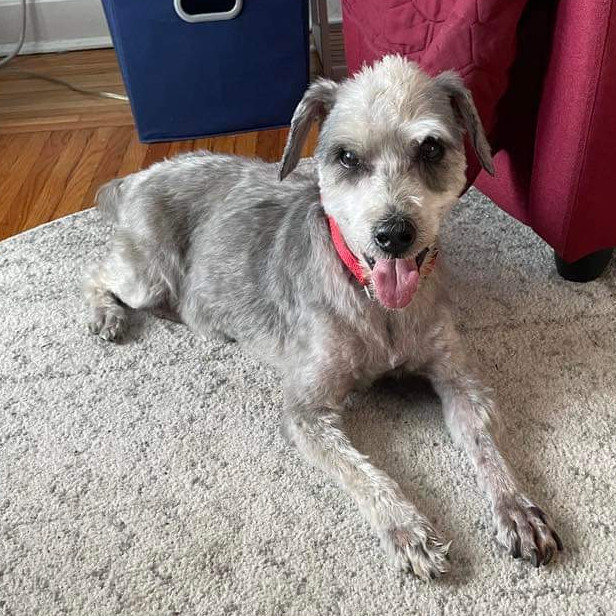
[543, 75]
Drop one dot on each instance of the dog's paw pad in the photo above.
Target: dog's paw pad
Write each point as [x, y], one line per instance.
[525, 530]
[419, 551]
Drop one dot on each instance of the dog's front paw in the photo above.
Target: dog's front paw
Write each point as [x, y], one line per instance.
[110, 325]
[417, 548]
[525, 530]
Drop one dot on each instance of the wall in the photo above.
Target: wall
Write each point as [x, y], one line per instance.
[54, 25]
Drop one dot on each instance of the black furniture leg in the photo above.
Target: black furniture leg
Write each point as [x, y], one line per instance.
[587, 268]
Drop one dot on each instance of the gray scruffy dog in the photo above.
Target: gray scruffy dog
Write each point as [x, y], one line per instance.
[331, 276]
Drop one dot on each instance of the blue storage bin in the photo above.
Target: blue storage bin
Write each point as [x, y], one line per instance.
[243, 65]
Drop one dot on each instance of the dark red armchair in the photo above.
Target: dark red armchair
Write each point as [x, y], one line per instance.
[543, 74]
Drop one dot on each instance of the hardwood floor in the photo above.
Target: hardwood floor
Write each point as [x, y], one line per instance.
[57, 146]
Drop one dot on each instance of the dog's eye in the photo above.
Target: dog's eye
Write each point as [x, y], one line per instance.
[431, 150]
[348, 159]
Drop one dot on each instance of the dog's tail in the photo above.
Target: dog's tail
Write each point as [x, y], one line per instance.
[108, 197]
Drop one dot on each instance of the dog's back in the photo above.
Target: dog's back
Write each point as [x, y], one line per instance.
[194, 223]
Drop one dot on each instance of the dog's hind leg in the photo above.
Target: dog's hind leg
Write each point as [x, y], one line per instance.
[130, 277]
[406, 535]
[109, 317]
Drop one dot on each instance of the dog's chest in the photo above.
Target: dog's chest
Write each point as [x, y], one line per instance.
[390, 343]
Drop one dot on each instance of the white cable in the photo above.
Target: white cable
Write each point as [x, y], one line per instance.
[22, 37]
[70, 86]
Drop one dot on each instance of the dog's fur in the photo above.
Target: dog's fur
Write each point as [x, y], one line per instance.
[224, 244]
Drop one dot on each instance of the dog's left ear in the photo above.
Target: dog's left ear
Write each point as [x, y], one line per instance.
[464, 108]
[316, 103]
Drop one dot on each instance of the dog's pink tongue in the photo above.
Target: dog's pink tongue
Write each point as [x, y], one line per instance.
[395, 281]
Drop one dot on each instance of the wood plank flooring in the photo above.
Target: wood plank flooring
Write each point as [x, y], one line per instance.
[57, 146]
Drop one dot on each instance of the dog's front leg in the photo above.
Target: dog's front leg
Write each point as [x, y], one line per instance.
[522, 527]
[406, 535]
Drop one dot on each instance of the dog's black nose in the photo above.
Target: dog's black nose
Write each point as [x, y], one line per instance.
[394, 235]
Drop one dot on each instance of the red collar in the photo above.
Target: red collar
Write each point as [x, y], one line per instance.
[352, 262]
[346, 256]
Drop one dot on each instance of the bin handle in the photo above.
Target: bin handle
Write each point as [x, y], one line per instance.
[234, 12]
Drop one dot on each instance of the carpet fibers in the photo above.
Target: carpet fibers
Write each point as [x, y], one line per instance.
[150, 477]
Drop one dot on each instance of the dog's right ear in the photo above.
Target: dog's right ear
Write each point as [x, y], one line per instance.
[316, 103]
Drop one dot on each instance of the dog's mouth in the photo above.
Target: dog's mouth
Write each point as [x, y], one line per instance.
[396, 280]
[419, 259]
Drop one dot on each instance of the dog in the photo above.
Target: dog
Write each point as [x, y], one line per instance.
[330, 272]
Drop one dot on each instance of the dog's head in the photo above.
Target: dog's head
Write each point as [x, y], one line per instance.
[391, 163]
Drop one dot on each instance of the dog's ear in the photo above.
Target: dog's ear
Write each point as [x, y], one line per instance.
[466, 112]
[316, 103]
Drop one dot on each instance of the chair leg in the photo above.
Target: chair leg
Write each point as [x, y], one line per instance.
[587, 268]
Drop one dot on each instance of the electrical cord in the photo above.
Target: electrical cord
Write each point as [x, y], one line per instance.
[17, 49]
[70, 86]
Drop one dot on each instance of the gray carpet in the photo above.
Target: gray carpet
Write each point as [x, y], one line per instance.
[150, 478]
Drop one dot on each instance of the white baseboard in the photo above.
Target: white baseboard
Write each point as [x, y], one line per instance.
[54, 25]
